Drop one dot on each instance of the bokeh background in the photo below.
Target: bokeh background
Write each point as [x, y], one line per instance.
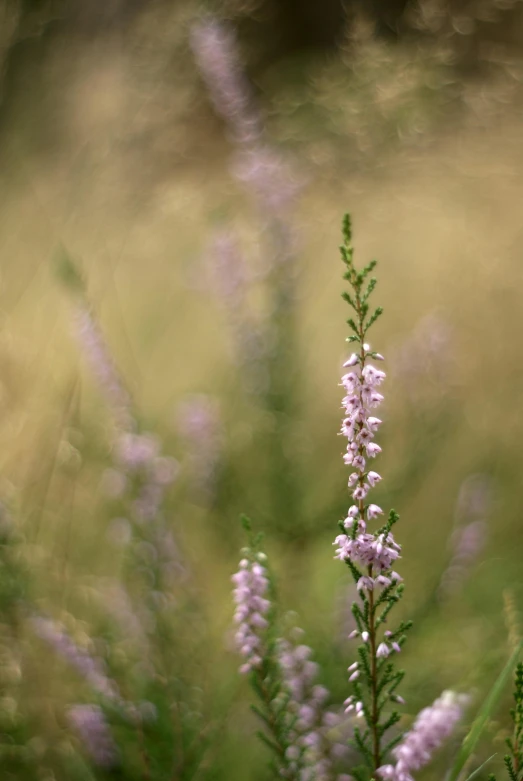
[114, 157]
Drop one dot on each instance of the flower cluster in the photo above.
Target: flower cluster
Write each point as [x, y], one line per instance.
[257, 165]
[90, 668]
[310, 746]
[139, 479]
[250, 596]
[431, 728]
[95, 349]
[138, 460]
[90, 723]
[214, 47]
[198, 421]
[376, 553]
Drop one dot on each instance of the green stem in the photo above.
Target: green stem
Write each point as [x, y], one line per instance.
[376, 749]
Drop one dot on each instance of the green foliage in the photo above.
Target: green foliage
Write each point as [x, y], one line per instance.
[484, 714]
[514, 760]
[68, 271]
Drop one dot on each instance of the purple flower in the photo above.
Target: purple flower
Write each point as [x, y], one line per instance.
[252, 606]
[311, 750]
[214, 47]
[90, 668]
[95, 349]
[89, 722]
[198, 420]
[432, 727]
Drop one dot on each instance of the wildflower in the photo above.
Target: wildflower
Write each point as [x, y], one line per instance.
[251, 608]
[214, 47]
[433, 725]
[98, 356]
[91, 668]
[365, 583]
[198, 420]
[89, 722]
[310, 749]
[373, 478]
[372, 449]
[370, 555]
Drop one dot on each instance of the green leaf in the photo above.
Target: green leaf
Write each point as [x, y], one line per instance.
[261, 715]
[268, 742]
[377, 312]
[346, 297]
[68, 271]
[479, 769]
[347, 228]
[510, 768]
[246, 523]
[492, 699]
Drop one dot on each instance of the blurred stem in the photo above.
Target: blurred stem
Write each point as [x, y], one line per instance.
[281, 397]
[143, 752]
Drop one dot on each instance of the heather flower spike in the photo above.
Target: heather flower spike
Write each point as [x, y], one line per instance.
[371, 555]
[93, 344]
[90, 724]
[284, 678]
[258, 648]
[432, 727]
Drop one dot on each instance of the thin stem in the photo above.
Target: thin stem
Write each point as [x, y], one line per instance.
[271, 719]
[374, 682]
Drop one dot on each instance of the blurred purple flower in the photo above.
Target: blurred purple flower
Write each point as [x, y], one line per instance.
[90, 723]
[215, 50]
[432, 727]
[198, 421]
[90, 668]
[470, 533]
[103, 367]
[425, 355]
[310, 748]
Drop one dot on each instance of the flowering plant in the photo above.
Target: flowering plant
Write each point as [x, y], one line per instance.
[295, 712]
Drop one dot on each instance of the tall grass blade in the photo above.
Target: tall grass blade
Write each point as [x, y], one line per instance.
[471, 739]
